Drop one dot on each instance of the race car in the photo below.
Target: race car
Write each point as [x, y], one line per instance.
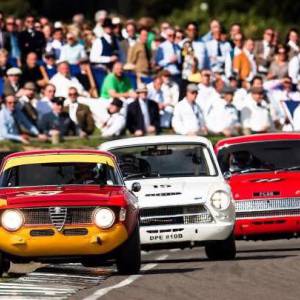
[183, 198]
[263, 171]
[67, 206]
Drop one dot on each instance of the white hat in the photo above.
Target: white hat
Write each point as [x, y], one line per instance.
[58, 25]
[14, 71]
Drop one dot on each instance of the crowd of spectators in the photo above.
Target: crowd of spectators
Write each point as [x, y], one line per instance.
[138, 77]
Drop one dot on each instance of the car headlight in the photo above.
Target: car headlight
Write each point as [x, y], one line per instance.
[12, 219]
[220, 200]
[104, 217]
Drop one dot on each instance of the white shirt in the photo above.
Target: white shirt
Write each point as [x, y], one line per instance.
[255, 117]
[267, 49]
[145, 112]
[170, 93]
[72, 112]
[154, 94]
[96, 51]
[72, 54]
[187, 118]
[296, 119]
[206, 95]
[114, 125]
[294, 68]
[252, 61]
[63, 84]
[222, 116]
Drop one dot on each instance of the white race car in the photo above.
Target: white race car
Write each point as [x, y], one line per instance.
[184, 200]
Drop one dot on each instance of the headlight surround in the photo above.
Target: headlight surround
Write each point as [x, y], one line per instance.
[220, 200]
[104, 217]
[12, 219]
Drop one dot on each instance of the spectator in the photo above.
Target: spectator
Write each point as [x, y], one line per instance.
[57, 122]
[223, 117]
[129, 40]
[198, 47]
[112, 121]
[72, 51]
[10, 27]
[143, 114]
[12, 83]
[218, 52]
[44, 105]
[50, 64]
[4, 36]
[237, 45]
[63, 80]
[264, 52]
[168, 56]
[4, 64]
[100, 17]
[292, 42]
[28, 103]
[80, 114]
[214, 26]
[12, 122]
[279, 66]
[105, 50]
[235, 32]
[256, 115]
[33, 72]
[31, 40]
[244, 64]
[139, 57]
[86, 78]
[116, 84]
[188, 118]
[57, 42]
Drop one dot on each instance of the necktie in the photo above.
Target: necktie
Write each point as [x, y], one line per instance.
[219, 52]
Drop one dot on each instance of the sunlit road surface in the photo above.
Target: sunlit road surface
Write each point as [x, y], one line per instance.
[262, 270]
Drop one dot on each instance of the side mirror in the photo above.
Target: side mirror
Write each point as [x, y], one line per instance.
[227, 175]
[136, 187]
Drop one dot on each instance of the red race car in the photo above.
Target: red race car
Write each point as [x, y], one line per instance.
[263, 171]
[67, 206]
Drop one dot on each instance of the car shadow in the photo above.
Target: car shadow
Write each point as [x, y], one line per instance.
[193, 260]
[268, 250]
[169, 271]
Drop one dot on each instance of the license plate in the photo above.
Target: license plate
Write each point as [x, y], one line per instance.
[166, 237]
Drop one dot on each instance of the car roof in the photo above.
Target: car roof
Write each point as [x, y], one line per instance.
[150, 140]
[256, 138]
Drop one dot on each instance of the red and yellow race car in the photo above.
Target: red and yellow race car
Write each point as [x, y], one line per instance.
[67, 206]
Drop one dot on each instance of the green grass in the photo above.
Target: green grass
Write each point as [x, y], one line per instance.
[68, 143]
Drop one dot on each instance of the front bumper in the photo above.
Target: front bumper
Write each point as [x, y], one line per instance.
[254, 227]
[95, 242]
[185, 233]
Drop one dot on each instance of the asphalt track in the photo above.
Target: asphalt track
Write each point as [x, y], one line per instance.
[262, 270]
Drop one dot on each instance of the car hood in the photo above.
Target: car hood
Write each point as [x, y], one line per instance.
[63, 196]
[177, 191]
[265, 185]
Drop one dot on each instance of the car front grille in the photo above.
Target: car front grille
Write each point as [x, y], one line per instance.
[171, 215]
[64, 215]
[277, 207]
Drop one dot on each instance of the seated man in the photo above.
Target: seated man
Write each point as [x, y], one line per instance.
[116, 84]
[13, 121]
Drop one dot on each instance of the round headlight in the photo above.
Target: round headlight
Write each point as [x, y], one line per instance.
[12, 219]
[104, 217]
[220, 200]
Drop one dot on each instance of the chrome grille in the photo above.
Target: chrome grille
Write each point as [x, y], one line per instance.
[267, 207]
[58, 216]
[170, 215]
[75, 215]
[163, 194]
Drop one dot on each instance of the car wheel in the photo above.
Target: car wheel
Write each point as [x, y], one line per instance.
[129, 255]
[221, 250]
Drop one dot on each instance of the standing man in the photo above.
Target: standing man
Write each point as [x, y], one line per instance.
[188, 118]
[143, 114]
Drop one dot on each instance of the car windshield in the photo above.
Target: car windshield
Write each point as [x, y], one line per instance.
[260, 156]
[173, 160]
[60, 174]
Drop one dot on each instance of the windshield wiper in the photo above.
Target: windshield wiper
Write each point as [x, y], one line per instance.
[252, 170]
[142, 175]
[288, 168]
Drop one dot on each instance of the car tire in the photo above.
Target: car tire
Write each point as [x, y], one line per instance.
[221, 250]
[129, 255]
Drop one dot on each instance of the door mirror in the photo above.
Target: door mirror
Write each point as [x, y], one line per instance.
[136, 187]
[227, 175]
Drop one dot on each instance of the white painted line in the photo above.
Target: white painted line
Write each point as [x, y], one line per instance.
[101, 292]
